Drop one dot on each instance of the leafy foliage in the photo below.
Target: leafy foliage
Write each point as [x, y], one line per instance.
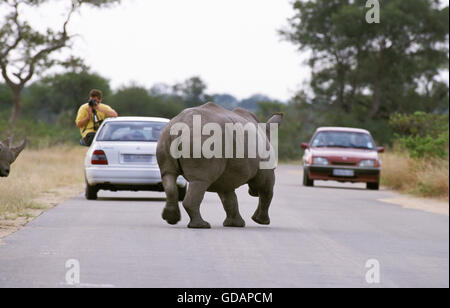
[374, 69]
[422, 134]
[49, 97]
[51, 103]
[418, 146]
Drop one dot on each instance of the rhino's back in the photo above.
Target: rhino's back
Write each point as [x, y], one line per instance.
[212, 113]
[224, 174]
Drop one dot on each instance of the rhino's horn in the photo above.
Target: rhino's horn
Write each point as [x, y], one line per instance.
[19, 149]
[6, 142]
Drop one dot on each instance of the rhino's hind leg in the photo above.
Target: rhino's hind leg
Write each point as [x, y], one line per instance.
[230, 204]
[261, 215]
[171, 212]
[194, 196]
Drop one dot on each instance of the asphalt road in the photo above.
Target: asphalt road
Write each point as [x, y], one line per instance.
[319, 237]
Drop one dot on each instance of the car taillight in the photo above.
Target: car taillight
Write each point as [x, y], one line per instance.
[99, 158]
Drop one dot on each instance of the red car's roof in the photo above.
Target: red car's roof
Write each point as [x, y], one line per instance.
[343, 129]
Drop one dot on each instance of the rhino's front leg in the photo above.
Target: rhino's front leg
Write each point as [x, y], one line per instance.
[194, 196]
[230, 204]
[261, 215]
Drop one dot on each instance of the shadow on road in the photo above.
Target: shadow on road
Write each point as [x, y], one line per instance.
[340, 187]
[131, 199]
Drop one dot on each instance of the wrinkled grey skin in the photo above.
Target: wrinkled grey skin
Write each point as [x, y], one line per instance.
[9, 155]
[222, 175]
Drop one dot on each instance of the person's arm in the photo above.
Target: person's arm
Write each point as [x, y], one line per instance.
[84, 120]
[108, 111]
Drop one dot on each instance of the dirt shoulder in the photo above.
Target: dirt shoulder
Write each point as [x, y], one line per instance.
[435, 206]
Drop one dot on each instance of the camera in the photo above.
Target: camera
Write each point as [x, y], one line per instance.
[93, 103]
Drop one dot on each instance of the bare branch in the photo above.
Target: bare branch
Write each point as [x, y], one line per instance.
[59, 44]
[8, 80]
[19, 34]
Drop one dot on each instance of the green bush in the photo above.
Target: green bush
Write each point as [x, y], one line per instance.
[418, 146]
[42, 134]
[419, 124]
[422, 134]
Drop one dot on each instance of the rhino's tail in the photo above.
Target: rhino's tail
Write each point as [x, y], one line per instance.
[167, 164]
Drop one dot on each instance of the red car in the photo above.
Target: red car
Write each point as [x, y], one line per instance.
[344, 155]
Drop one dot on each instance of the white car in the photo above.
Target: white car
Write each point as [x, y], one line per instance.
[123, 157]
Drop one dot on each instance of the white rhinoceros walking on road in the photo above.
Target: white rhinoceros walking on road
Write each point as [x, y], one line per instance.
[221, 175]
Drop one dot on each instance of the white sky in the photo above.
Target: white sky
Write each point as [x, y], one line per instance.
[233, 45]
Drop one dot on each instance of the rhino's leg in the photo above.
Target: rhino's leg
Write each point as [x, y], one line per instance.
[230, 204]
[261, 215]
[171, 212]
[194, 196]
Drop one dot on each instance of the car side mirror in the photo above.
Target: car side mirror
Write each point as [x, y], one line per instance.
[380, 149]
[304, 146]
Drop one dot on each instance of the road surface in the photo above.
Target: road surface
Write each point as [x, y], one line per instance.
[319, 237]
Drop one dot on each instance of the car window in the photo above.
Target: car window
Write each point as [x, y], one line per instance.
[131, 131]
[343, 140]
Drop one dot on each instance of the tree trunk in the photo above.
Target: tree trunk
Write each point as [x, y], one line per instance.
[342, 79]
[17, 107]
[376, 100]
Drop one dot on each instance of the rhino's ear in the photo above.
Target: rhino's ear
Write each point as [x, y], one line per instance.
[18, 150]
[277, 118]
[6, 142]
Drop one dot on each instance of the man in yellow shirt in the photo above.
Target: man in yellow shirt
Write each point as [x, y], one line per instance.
[91, 115]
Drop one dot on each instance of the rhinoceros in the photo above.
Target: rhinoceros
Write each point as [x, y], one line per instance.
[9, 155]
[222, 175]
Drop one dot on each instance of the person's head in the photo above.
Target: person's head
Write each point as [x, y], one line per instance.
[96, 95]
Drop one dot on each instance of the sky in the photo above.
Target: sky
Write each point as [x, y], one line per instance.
[233, 45]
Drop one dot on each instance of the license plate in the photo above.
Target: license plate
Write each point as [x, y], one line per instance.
[344, 173]
[140, 159]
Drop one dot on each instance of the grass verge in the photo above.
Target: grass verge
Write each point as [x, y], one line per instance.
[424, 177]
[36, 177]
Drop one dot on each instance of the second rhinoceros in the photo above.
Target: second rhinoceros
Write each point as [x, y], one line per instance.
[9, 155]
[222, 175]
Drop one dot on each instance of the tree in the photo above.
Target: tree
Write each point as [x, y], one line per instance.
[5, 97]
[62, 93]
[226, 100]
[252, 102]
[374, 68]
[25, 51]
[193, 92]
[138, 101]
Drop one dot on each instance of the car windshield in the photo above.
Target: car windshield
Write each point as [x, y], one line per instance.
[131, 131]
[343, 140]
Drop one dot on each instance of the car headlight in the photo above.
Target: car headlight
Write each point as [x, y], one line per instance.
[321, 161]
[368, 163]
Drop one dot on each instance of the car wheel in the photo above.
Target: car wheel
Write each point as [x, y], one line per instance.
[182, 193]
[373, 186]
[306, 180]
[91, 192]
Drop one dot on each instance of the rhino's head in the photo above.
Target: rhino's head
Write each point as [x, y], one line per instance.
[9, 155]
